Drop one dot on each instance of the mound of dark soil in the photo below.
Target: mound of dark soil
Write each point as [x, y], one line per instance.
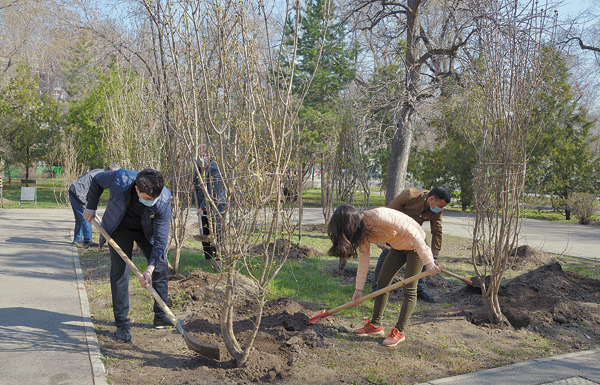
[528, 257]
[549, 295]
[283, 338]
[296, 250]
[547, 300]
[319, 228]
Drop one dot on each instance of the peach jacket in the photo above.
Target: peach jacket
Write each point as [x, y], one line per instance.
[390, 226]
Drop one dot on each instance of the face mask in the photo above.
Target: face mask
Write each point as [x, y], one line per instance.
[435, 209]
[148, 203]
[206, 161]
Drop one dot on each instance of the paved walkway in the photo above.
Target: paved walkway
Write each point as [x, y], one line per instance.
[46, 334]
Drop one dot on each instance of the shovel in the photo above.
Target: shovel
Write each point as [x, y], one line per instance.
[202, 347]
[315, 317]
[465, 280]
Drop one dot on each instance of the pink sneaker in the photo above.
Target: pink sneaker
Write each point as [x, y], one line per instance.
[369, 329]
[394, 338]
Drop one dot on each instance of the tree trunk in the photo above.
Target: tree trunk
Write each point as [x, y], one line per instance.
[404, 129]
[27, 164]
[300, 202]
[567, 214]
[399, 155]
[231, 343]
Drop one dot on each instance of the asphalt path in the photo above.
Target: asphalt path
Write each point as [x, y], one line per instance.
[46, 334]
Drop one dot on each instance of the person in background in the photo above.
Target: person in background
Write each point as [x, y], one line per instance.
[78, 198]
[421, 205]
[350, 230]
[138, 210]
[213, 180]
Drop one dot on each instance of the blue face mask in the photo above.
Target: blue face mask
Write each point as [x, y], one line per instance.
[435, 209]
[148, 203]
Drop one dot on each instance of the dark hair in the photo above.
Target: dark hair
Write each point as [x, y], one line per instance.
[440, 193]
[150, 182]
[347, 231]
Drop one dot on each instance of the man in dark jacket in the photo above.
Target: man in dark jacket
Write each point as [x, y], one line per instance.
[421, 205]
[139, 209]
[78, 198]
[216, 190]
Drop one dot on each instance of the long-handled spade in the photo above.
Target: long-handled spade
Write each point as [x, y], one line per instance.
[202, 347]
[465, 280]
[315, 317]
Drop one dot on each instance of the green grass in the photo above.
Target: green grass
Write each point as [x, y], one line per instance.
[48, 195]
[311, 198]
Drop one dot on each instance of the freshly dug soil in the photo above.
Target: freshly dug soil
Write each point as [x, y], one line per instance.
[296, 250]
[560, 305]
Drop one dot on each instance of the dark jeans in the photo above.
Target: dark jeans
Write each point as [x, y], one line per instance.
[209, 250]
[384, 253]
[83, 229]
[391, 266]
[119, 274]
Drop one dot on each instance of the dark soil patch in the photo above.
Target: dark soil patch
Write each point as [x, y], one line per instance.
[547, 300]
[296, 250]
[319, 228]
[559, 305]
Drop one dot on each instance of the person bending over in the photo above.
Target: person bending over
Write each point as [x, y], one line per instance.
[350, 230]
[139, 209]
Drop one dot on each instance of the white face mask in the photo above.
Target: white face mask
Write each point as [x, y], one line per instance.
[434, 208]
[149, 203]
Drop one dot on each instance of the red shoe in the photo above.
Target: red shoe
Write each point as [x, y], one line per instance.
[368, 329]
[394, 338]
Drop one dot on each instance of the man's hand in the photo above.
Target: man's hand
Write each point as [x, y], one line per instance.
[147, 276]
[88, 215]
[200, 212]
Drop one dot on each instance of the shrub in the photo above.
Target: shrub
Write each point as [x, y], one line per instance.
[583, 205]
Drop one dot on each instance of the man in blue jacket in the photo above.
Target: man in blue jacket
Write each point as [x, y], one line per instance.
[139, 209]
[78, 198]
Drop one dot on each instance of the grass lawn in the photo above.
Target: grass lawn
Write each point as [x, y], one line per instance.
[51, 194]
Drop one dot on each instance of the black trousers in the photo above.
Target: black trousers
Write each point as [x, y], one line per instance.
[209, 250]
[119, 274]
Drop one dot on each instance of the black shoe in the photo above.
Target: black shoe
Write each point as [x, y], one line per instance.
[87, 245]
[425, 296]
[123, 333]
[161, 323]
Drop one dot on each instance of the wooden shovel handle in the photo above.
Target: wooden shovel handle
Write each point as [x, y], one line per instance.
[138, 274]
[465, 280]
[381, 291]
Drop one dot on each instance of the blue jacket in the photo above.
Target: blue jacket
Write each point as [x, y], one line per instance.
[214, 185]
[156, 220]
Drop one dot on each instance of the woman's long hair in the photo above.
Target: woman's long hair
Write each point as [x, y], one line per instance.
[347, 231]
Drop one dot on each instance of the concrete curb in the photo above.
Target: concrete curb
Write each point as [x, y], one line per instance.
[482, 373]
[98, 371]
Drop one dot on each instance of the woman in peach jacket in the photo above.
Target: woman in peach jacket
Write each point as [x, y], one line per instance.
[349, 230]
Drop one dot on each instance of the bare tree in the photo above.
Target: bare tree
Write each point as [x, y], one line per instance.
[508, 75]
[230, 92]
[428, 36]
